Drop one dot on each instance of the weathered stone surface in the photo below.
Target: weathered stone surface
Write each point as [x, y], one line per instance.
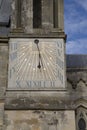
[40, 120]
[3, 68]
[46, 16]
[25, 73]
[60, 14]
[1, 128]
[13, 15]
[41, 110]
[76, 89]
[38, 100]
[1, 114]
[27, 15]
[78, 81]
[41, 100]
[46, 23]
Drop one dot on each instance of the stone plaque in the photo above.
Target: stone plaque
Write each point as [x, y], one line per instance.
[36, 64]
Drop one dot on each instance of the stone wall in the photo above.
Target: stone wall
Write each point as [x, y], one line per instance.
[40, 120]
[77, 82]
[3, 67]
[76, 78]
[3, 77]
[72, 99]
[26, 19]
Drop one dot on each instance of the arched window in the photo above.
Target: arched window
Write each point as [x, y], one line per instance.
[82, 124]
[37, 12]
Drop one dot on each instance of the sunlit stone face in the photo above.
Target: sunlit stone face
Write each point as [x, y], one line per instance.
[40, 120]
[36, 65]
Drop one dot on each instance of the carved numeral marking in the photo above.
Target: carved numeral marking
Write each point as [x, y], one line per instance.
[59, 44]
[18, 84]
[12, 71]
[52, 84]
[13, 46]
[37, 84]
[60, 63]
[60, 76]
[13, 56]
[59, 52]
[29, 84]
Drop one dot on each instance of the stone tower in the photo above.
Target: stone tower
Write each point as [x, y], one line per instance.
[37, 95]
[37, 46]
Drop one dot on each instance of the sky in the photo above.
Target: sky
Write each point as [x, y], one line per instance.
[75, 14]
[76, 26]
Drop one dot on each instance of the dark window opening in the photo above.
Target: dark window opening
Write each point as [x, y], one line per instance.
[82, 124]
[19, 13]
[9, 23]
[37, 14]
[55, 13]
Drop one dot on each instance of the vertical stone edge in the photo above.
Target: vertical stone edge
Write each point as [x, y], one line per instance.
[61, 15]
[16, 20]
[1, 115]
[3, 78]
[45, 15]
[13, 15]
[51, 14]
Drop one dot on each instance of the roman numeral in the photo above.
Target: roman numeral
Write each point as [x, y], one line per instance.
[13, 56]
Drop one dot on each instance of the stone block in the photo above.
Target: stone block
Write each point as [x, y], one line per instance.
[40, 120]
[3, 67]
[2, 92]
[1, 114]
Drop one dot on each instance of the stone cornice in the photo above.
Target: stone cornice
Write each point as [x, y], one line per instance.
[4, 39]
[18, 33]
[81, 103]
[76, 69]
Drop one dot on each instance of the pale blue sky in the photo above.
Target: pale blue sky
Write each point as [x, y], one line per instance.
[75, 24]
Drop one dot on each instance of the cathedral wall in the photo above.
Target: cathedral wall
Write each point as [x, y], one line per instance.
[76, 80]
[40, 120]
[3, 67]
[75, 96]
[40, 109]
[3, 77]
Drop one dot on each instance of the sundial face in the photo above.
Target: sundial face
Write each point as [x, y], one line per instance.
[36, 64]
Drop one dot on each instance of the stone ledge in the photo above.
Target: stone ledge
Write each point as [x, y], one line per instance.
[50, 35]
[76, 69]
[4, 40]
[40, 100]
